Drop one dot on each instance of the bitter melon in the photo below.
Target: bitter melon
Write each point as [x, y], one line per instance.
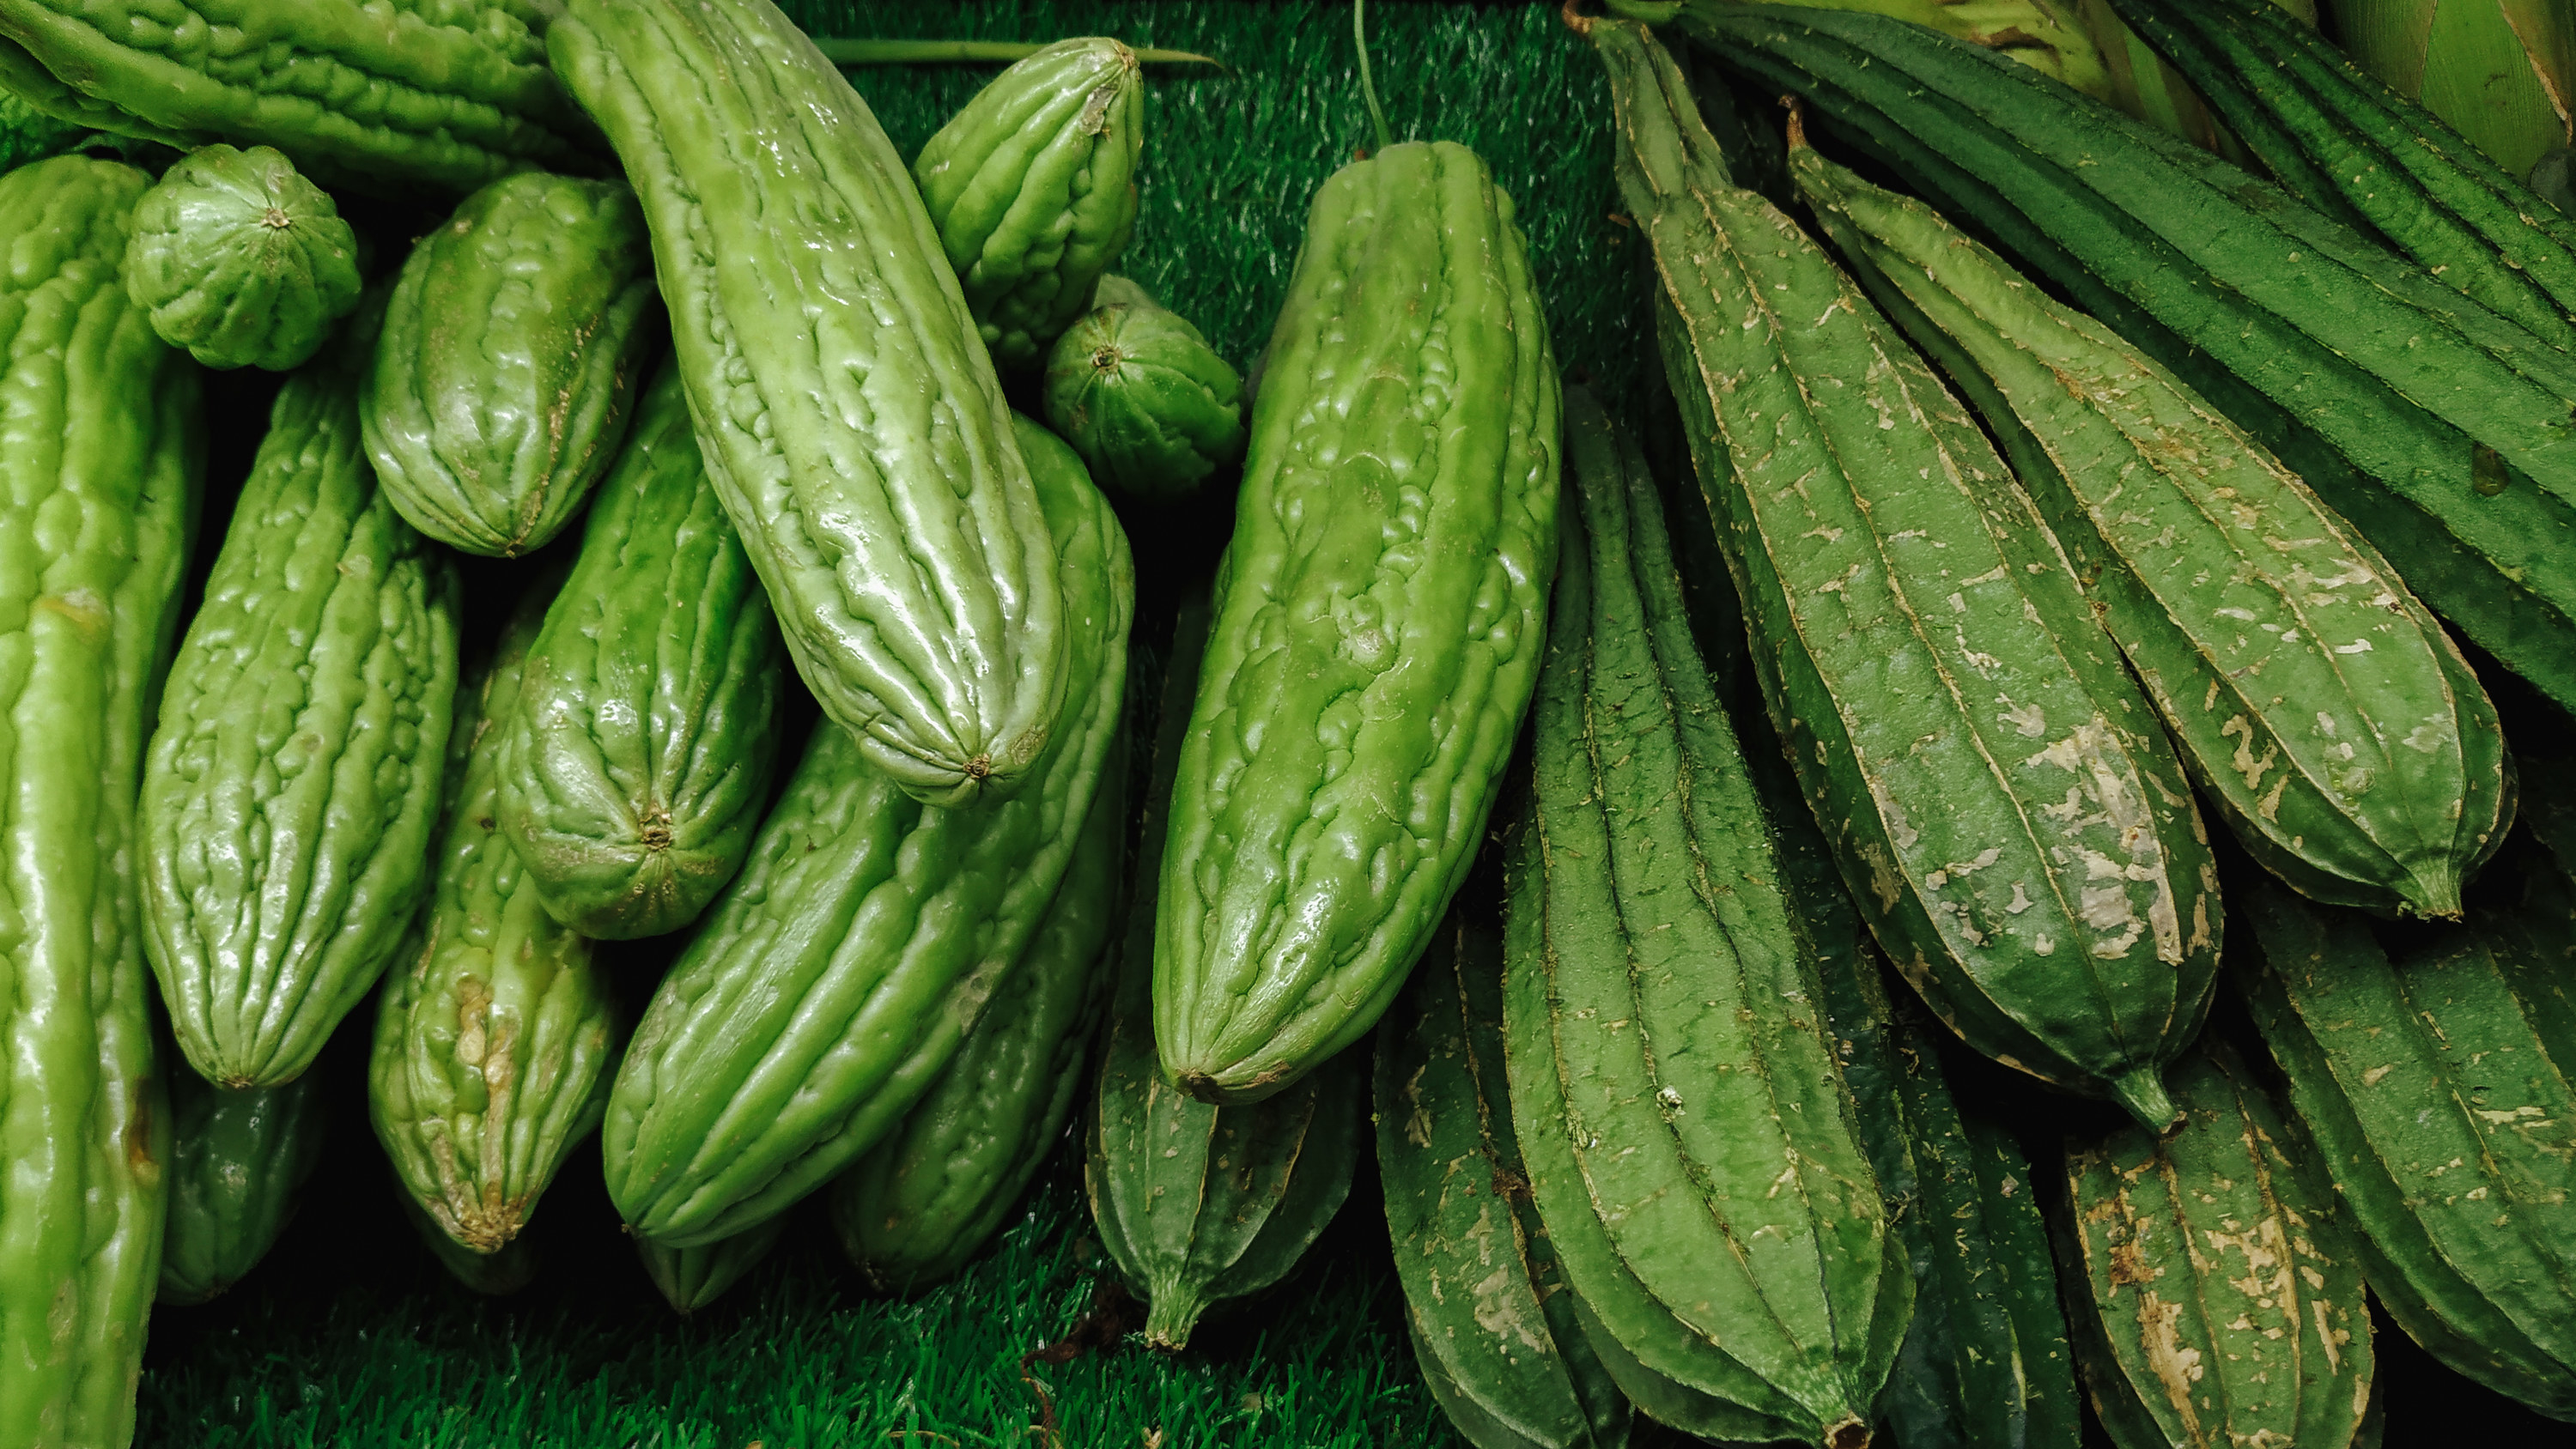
[1378, 624]
[241, 260]
[2315, 701]
[1143, 398]
[510, 354]
[637, 760]
[1032, 188]
[2008, 816]
[692, 1278]
[851, 419]
[291, 792]
[100, 462]
[239, 1160]
[496, 1033]
[824, 991]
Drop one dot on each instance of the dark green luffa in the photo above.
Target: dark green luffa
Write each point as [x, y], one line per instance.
[823, 993]
[852, 422]
[291, 791]
[638, 758]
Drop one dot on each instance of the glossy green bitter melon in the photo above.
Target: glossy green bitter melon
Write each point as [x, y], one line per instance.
[1032, 188]
[508, 362]
[1379, 615]
[637, 760]
[2314, 700]
[291, 791]
[925, 1201]
[862, 446]
[2011, 821]
[239, 1159]
[495, 1033]
[1143, 398]
[1493, 1324]
[99, 470]
[241, 260]
[824, 991]
[2435, 1083]
[384, 97]
[1669, 1060]
[2214, 1280]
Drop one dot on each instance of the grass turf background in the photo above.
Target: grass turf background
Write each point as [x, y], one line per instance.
[350, 1336]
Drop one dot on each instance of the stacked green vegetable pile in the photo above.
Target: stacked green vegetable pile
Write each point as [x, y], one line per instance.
[1678, 888]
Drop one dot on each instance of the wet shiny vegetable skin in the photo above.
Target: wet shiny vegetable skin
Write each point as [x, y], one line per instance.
[241, 260]
[99, 467]
[862, 445]
[823, 993]
[637, 760]
[1033, 189]
[1379, 618]
[495, 1035]
[292, 789]
[511, 351]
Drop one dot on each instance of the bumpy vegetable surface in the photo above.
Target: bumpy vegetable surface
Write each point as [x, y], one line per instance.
[1033, 190]
[1379, 616]
[2216, 1286]
[2438, 429]
[99, 466]
[238, 1162]
[637, 760]
[924, 1201]
[692, 1278]
[823, 993]
[862, 446]
[2315, 701]
[379, 97]
[1493, 1324]
[2014, 827]
[495, 1036]
[241, 260]
[1669, 1062]
[512, 349]
[1140, 395]
[2436, 1086]
[291, 791]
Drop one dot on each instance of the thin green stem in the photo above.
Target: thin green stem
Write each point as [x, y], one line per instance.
[934, 52]
[1368, 88]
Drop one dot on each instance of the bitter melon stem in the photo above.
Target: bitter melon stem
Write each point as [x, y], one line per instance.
[1368, 88]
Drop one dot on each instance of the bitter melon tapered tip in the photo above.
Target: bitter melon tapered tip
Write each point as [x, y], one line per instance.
[1169, 1317]
[1851, 1433]
[2143, 1093]
[2431, 891]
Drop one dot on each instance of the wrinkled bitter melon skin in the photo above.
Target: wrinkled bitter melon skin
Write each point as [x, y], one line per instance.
[2214, 1281]
[851, 419]
[1492, 1321]
[512, 348]
[241, 260]
[1147, 403]
[99, 472]
[495, 1035]
[2437, 1087]
[924, 1201]
[1665, 1041]
[1379, 619]
[637, 762]
[1033, 190]
[823, 992]
[2008, 815]
[2313, 698]
[239, 1160]
[384, 97]
[292, 788]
